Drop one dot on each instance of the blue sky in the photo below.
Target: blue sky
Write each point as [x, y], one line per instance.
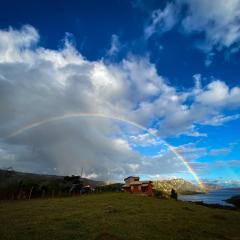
[170, 66]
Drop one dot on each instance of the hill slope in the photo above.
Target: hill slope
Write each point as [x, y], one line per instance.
[116, 216]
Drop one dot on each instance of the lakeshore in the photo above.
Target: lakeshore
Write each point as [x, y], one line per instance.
[217, 197]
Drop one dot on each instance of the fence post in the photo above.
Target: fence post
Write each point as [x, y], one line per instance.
[30, 194]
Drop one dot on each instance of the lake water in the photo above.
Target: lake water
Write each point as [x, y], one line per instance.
[212, 197]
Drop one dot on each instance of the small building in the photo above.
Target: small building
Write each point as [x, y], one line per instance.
[133, 185]
[86, 189]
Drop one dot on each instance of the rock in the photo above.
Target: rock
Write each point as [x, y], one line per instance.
[235, 200]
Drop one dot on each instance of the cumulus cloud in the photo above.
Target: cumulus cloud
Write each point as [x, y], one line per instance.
[14, 44]
[217, 93]
[37, 83]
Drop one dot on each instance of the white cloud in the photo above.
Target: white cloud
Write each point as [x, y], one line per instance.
[217, 93]
[37, 83]
[220, 120]
[191, 151]
[217, 21]
[227, 164]
[14, 44]
[144, 139]
[133, 167]
[220, 151]
[115, 46]
[162, 20]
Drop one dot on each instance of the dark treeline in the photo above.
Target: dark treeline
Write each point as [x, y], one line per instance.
[16, 185]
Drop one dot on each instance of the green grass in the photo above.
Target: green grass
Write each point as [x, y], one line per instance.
[115, 216]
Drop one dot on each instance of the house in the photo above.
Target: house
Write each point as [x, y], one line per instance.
[133, 185]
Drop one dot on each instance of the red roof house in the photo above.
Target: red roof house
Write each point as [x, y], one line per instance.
[133, 185]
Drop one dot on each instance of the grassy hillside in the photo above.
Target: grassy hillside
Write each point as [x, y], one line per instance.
[114, 216]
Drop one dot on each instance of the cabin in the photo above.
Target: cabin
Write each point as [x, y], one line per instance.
[134, 185]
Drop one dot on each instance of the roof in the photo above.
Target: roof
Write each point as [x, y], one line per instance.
[142, 183]
[145, 183]
[135, 183]
[131, 177]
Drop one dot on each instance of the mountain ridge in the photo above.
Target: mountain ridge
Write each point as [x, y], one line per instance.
[181, 186]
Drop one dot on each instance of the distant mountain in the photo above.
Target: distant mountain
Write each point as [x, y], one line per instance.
[181, 186]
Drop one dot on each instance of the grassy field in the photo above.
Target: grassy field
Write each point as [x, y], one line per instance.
[115, 216]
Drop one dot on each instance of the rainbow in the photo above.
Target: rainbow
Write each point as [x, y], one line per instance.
[80, 114]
